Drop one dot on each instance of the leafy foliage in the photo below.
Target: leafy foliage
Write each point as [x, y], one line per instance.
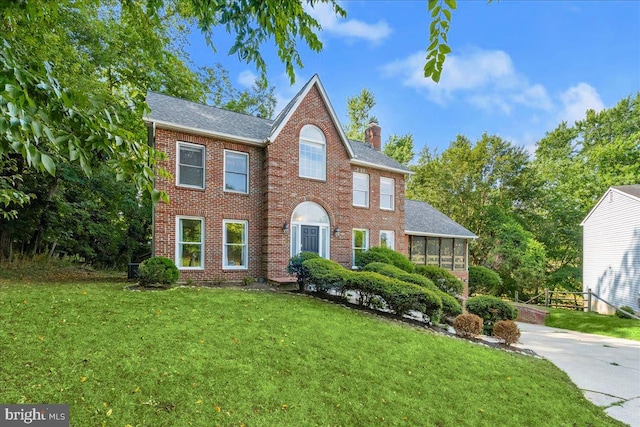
[507, 331]
[491, 309]
[399, 148]
[324, 274]
[158, 271]
[358, 114]
[442, 278]
[386, 255]
[438, 29]
[450, 305]
[296, 266]
[468, 325]
[483, 280]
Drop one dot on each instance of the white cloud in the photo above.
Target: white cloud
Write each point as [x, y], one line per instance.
[577, 100]
[247, 78]
[486, 79]
[347, 28]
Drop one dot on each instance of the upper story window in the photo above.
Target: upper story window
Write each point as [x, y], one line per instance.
[190, 165]
[360, 189]
[313, 153]
[387, 193]
[236, 171]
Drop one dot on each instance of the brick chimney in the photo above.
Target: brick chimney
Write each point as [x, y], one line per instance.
[372, 136]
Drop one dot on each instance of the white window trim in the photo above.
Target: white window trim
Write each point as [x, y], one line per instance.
[204, 162]
[392, 194]
[353, 247]
[179, 243]
[366, 205]
[224, 175]
[316, 143]
[393, 238]
[224, 244]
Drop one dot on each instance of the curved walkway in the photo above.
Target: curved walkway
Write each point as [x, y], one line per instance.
[606, 369]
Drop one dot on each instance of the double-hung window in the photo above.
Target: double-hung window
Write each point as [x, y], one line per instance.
[360, 189]
[236, 171]
[387, 238]
[313, 153]
[234, 246]
[190, 165]
[360, 243]
[190, 243]
[387, 193]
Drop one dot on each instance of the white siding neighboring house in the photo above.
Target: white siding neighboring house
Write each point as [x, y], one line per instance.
[611, 249]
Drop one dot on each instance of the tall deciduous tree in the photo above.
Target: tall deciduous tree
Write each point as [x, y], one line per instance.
[399, 148]
[359, 114]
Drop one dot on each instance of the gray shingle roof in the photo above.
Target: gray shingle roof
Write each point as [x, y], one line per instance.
[189, 114]
[367, 154]
[633, 190]
[422, 218]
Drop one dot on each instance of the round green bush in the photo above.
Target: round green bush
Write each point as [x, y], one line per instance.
[483, 280]
[325, 274]
[442, 278]
[491, 310]
[623, 315]
[386, 255]
[158, 272]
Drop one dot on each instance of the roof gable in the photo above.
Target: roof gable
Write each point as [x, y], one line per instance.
[631, 191]
[284, 116]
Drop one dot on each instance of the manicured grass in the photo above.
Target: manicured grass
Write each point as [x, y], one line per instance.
[207, 357]
[594, 323]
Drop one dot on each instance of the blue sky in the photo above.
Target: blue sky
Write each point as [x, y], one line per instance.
[518, 68]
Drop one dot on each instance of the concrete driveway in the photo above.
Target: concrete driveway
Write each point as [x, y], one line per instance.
[606, 369]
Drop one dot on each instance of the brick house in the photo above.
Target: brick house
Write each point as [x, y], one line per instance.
[247, 193]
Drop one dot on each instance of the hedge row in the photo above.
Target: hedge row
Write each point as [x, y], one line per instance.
[442, 278]
[374, 289]
[450, 306]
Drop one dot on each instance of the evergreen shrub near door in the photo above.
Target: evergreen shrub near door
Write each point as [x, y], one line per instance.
[491, 310]
[295, 267]
[324, 274]
[158, 272]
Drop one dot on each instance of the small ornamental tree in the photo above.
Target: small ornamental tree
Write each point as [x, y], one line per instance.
[295, 267]
[158, 272]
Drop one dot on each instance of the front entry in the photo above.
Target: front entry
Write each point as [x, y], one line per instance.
[309, 238]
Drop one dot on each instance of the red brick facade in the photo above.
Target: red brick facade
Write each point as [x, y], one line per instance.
[275, 190]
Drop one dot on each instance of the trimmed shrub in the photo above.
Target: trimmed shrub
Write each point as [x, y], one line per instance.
[450, 305]
[507, 331]
[491, 310]
[398, 273]
[386, 255]
[400, 297]
[621, 314]
[442, 278]
[158, 272]
[483, 280]
[324, 274]
[368, 284]
[295, 267]
[468, 325]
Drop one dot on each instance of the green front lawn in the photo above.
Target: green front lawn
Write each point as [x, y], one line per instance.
[207, 357]
[594, 323]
